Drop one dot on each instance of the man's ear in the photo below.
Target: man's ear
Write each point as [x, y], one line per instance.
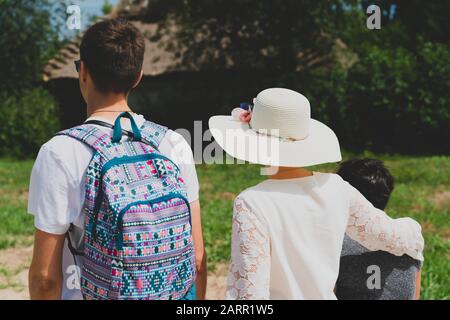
[138, 80]
[83, 72]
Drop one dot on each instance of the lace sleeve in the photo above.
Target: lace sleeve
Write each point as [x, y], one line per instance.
[375, 230]
[249, 274]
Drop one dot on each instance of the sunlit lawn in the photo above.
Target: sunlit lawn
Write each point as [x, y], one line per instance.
[422, 191]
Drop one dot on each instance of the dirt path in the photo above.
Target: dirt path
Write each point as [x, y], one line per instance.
[217, 283]
[14, 264]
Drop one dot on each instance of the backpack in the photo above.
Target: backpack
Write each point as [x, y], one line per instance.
[137, 243]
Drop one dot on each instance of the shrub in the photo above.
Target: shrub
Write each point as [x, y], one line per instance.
[29, 38]
[392, 100]
[27, 121]
[326, 90]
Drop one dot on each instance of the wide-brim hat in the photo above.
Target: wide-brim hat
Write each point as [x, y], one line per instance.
[280, 133]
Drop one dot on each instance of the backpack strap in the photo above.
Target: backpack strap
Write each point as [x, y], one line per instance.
[97, 139]
[153, 133]
[89, 135]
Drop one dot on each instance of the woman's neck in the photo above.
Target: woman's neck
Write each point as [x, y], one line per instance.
[281, 173]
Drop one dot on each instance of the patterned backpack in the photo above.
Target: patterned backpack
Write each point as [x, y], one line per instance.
[138, 242]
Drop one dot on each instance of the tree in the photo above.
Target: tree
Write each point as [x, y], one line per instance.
[107, 8]
[427, 20]
[283, 36]
[28, 39]
[405, 23]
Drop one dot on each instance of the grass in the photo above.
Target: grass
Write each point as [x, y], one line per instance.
[422, 191]
[16, 225]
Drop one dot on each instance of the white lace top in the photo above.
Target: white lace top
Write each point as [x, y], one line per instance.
[288, 234]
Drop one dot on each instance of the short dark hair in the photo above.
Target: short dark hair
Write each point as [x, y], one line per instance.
[371, 178]
[113, 52]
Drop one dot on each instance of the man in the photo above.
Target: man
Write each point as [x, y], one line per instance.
[112, 54]
[374, 275]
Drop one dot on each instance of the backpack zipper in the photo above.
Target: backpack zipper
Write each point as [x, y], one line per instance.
[170, 196]
[128, 159]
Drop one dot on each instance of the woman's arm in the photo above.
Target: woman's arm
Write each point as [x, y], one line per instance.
[249, 274]
[375, 230]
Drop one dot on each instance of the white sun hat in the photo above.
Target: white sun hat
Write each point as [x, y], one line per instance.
[280, 133]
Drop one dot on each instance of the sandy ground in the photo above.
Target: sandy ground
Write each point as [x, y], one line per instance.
[217, 283]
[14, 264]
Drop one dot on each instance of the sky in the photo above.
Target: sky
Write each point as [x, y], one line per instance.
[88, 9]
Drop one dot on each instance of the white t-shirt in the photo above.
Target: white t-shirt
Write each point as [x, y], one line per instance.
[57, 188]
[287, 236]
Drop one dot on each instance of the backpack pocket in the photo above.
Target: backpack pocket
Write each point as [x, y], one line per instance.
[155, 241]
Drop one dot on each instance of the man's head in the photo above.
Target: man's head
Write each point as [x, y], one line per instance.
[371, 178]
[112, 55]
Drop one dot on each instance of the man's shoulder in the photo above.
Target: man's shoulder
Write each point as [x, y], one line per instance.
[175, 146]
[64, 149]
[174, 138]
[61, 144]
[171, 139]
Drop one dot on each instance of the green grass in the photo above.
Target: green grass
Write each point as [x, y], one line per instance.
[422, 191]
[15, 224]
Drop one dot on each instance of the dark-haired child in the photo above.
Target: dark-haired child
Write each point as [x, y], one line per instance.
[374, 275]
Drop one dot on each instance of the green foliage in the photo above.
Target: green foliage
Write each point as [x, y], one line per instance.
[28, 39]
[326, 90]
[398, 100]
[397, 96]
[28, 120]
[421, 20]
[107, 7]
[404, 23]
[390, 100]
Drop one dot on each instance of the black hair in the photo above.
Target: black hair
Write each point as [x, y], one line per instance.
[113, 52]
[371, 178]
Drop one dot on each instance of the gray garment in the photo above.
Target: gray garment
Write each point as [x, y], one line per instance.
[397, 274]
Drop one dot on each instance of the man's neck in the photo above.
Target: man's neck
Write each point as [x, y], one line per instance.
[108, 105]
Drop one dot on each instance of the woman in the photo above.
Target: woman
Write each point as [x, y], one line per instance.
[288, 230]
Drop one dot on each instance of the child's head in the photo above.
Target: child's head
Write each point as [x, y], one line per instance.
[371, 178]
[112, 55]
